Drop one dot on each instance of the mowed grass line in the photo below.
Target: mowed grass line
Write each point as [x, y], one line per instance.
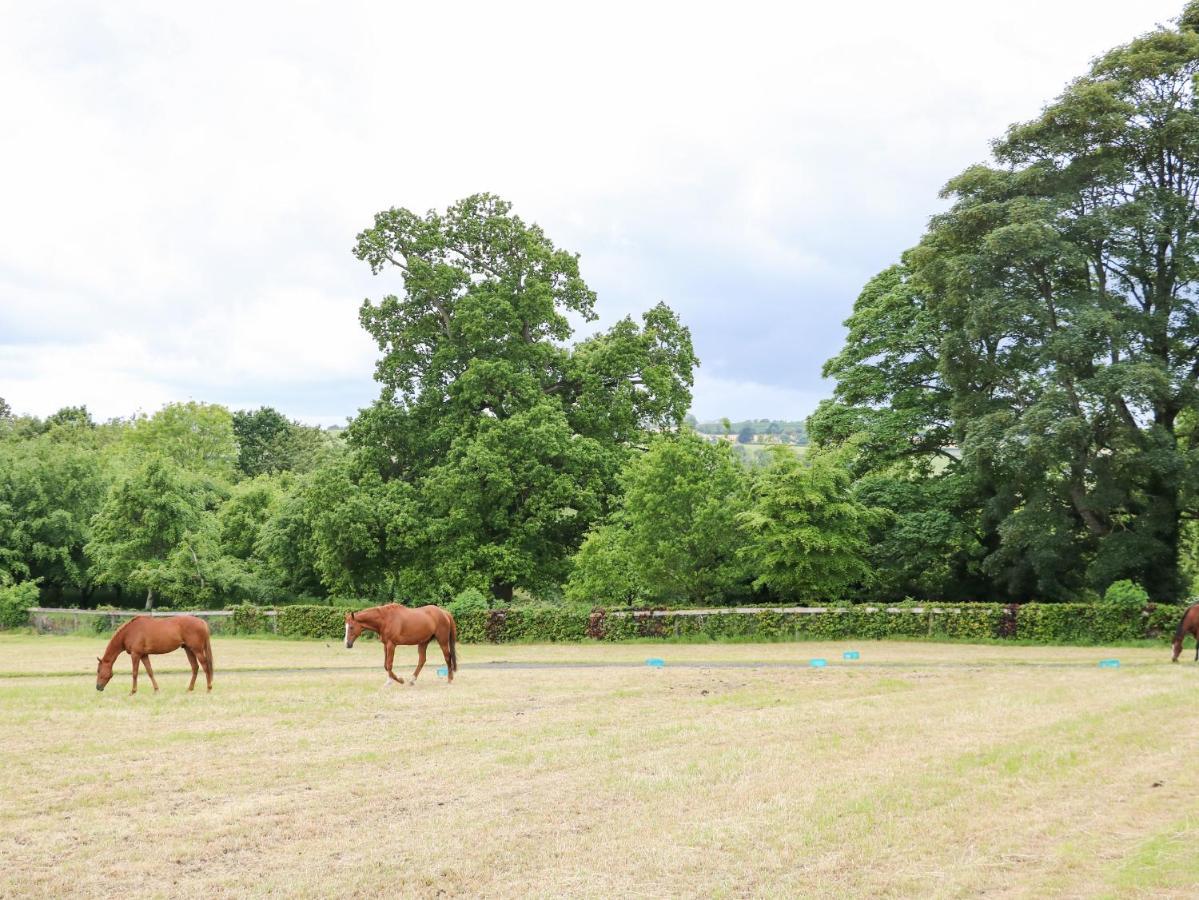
[931, 780]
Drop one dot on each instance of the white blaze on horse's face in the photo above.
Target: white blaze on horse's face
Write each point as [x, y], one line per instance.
[348, 644]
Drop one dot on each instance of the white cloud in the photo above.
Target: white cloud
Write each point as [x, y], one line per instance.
[182, 183]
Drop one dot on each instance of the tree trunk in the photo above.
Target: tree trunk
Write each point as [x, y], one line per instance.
[1162, 577]
[149, 599]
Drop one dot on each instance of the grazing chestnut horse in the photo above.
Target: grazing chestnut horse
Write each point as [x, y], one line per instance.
[1188, 625]
[143, 635]
[397, 624]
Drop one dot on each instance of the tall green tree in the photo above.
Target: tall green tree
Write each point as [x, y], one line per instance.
[808, 534]
[512, 438]
[1047, 326]
[269, 443]
[152, 532]
[50, 487]
[673, 536]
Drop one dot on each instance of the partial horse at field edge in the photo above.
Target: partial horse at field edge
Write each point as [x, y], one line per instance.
[143, 635]
[1188, 625]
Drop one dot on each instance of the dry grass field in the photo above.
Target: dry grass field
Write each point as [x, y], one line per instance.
[922, 770]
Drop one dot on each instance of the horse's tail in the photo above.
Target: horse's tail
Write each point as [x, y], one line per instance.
[1181, 631]
[208, 649]
[453, 642]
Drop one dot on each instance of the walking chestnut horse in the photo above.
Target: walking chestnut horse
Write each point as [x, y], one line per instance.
[397, 624]
[1188, 625]
[143, 635]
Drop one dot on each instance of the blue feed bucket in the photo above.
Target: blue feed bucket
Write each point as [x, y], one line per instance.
[1109, 663]
[851, 654]
[443, 672]
[656, 663]
[818, 663]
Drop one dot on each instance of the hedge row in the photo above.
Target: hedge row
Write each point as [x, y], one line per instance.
[1038, 622]
[1056, 623]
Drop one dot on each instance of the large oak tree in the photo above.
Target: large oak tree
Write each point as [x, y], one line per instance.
[509, 436]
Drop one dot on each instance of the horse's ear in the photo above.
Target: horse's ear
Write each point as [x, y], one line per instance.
[354, 616]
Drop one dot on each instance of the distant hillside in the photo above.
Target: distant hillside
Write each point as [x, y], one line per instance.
[756, 431]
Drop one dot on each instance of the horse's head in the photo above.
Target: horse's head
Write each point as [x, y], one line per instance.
[353, 629]
[103, 673]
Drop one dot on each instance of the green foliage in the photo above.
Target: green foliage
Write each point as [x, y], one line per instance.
[1126, 594]
[313, 621]
[470, 600]
[155, 532]
[15, 601]
[673, 536]
[1041, 623]
[1041, 343]
[50, 487]
[507, 439]
[268, 443]
[286, 547]
[197, 437]
[808, 535]
[104, 625]
[607, 569]
[928, 543]
[248, 619]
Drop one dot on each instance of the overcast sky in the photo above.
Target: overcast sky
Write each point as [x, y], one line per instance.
[180, 184]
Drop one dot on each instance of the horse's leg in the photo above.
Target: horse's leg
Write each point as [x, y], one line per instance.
[389, 652]
[444, 643]
[150, 672]
[137, 661]
[204, 654]
[420, 659]
[191, 658]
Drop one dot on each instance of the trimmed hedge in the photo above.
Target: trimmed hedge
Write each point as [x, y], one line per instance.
[1045, 623]
[1049, 623]
[249, 619]
[312, 621]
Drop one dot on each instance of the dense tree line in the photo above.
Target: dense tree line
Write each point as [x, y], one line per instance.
[163, 506]
[1016, 416]
[499, 458]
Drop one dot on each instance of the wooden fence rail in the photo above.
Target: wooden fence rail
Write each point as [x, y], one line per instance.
[49, 619]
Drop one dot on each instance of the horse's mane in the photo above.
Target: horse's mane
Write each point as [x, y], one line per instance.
[123, 626]
[116, 635]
